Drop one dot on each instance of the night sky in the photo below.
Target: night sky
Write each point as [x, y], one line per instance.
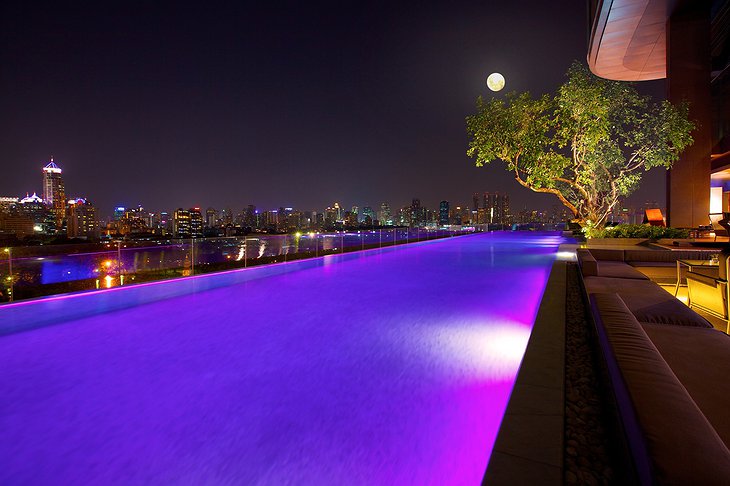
[272, 103]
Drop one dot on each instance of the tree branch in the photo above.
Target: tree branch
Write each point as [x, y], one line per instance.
[546, 190]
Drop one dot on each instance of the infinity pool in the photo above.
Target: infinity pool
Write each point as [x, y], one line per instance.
[388, 366]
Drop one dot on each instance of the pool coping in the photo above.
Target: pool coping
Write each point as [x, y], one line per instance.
[529, 446]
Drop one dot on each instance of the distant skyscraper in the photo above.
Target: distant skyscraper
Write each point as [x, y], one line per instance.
[226, 216]
[333, 216]
[384, 215]
[475, 201]
[444, 213]
[350, 219]
[339, 212]
[497, 208]
[211, 217]
[54, 193]
[196, 223]
[249, 218]
[81, 219]
[418, 215]
[181, 223]
[368, 215]
[119, 212]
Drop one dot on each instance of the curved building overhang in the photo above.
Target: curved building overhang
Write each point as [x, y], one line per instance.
[628, 40]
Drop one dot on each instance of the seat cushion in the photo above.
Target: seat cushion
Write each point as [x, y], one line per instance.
[701, 360]
[663, 273]
[647, 301]
[672, 442]
[619, 270]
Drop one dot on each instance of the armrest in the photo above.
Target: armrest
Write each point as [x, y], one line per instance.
[588, 264]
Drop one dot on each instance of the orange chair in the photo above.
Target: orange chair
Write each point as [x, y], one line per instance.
[654, 217]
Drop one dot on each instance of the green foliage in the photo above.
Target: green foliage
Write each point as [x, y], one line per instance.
[588, 144]
[638, 231]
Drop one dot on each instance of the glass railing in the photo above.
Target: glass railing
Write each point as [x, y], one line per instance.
[35, 271]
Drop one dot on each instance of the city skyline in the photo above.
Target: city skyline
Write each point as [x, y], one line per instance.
[290, 105]
[53, 191]
[51, 171]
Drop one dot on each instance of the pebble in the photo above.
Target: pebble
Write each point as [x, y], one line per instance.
[586, 459]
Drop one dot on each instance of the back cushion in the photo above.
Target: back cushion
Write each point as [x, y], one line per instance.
[609, 254]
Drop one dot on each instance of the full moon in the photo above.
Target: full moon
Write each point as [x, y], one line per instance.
[495, 81]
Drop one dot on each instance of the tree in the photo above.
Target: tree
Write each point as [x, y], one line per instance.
[588, 145]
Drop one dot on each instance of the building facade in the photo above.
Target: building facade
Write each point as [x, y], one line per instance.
[54, 192]
[686, 42]
[81, 221]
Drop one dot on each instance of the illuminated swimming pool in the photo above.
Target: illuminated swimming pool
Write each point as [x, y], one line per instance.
[389, 366]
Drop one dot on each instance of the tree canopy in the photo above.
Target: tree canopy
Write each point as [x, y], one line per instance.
[589, 144]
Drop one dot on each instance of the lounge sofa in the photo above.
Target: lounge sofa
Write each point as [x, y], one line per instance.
[627, 273]
[659, 266]
[672, 394]
[667, 366]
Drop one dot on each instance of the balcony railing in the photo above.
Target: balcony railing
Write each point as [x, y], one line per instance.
[36, 271]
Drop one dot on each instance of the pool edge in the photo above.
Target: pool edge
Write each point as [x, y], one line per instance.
[529, 445]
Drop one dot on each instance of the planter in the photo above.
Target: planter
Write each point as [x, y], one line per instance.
[616, 241]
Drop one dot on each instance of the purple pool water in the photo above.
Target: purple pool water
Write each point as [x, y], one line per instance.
[384, 367]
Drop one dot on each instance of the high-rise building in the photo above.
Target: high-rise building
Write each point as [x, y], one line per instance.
[54, 192]
[350, 218]
[443, 213]
[33, 207]
[164, 226]
[384, 215]
[418, 214]
[119, 212]
[293, 220]
[81, 219]
[211, 217]
[475, 201]
[226, 216]
[181, 223]
[497, 208]
[368, 216]
[404, 216]
[133, 221]
[308, 219]
[333, 216]
[249, 218]
[196, 223]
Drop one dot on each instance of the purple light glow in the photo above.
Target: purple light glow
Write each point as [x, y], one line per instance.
[386, 367]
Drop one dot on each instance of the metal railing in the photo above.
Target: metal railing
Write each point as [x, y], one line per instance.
[37, 271]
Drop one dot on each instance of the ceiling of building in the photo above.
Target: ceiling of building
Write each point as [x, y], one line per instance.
[628, 40]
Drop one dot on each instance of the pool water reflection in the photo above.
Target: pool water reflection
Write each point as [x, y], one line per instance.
[390, 366]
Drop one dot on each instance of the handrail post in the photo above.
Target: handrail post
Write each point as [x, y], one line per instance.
[9, 251]
[119, 261]
[192, 256]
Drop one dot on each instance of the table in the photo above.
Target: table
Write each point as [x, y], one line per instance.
[704, 264]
